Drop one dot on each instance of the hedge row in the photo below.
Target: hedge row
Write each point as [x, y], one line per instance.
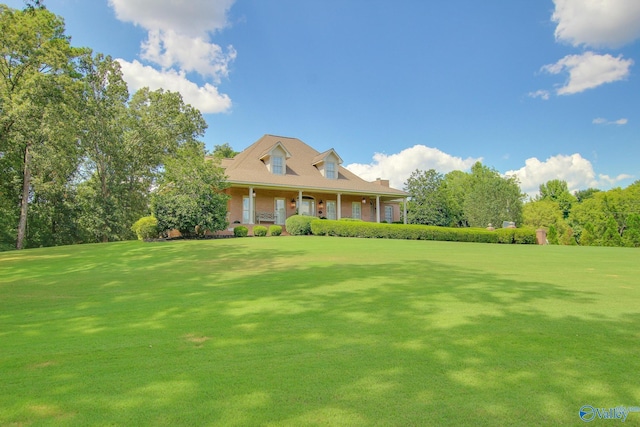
[421, 232]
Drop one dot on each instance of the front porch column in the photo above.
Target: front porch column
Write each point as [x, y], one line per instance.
[299, 200]
[252, 212]
[404, 207]
[339, 213]
[378, 209]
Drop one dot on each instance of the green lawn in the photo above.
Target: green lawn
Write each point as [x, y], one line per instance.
[317, 331]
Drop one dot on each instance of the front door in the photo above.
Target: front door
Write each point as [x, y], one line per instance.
[280, 211]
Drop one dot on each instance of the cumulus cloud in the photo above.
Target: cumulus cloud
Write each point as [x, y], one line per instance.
[169, 49]
[205, 98]
[178, 42]
[193, 18]
[603, 121]
[589, 70]
[597, 23]
[574, 169]
[398, 167]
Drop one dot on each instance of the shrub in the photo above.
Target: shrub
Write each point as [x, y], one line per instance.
[146, 228]
[300, 225]
[421, 232]
[241, 231]
[259, 231]
[275, 230]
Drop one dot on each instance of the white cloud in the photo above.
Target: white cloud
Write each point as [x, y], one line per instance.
[194, 18]
[589, 70]
[178, 42]
[398, 167]
[544, 94]
[168, 49]
[205, 98]
[603, 121]
[597, 23]
[574, 169]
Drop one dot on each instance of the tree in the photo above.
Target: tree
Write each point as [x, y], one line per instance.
[492, 199]
[582, 195]
[557, 191]
[189, 197]
[456, 186]
[106, 158]
[428, 203]
[36, 70]
[223, 151]
[126, 143]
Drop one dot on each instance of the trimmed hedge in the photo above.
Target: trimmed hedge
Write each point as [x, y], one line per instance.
[259, 231]
[300, 225]
[420, 232]
[241, 231]
[275, 230]
[146, 228]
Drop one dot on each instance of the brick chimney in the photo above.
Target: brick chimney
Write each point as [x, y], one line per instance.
[382, 182]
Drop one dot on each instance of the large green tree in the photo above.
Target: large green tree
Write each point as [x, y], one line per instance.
[126, 142]
[428, 202]
[37, 72]
[190, 197]
[491, 198]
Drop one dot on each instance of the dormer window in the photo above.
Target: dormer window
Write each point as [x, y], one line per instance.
[330, 170]
[276, 165]
[327, 163]
[275, 159]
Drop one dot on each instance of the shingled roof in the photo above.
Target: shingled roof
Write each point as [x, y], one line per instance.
[247, 169]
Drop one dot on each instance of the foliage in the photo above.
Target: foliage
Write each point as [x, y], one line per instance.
[146, 228]
[37, 84]
[299, 225]
[459, 199]
[557, 191]
[421, 232]
[608, 218]
[241, 231]
[492, 199]
[259, 231]
[223, 151]
[275, 230]
[428, 202]
[189, 197]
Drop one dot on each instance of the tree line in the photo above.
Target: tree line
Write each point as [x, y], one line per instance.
[79, 154]
[484, 198]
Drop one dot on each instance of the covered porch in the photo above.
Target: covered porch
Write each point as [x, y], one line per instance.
[265, 205]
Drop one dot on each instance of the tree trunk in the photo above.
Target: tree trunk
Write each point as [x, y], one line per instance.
[24, 203]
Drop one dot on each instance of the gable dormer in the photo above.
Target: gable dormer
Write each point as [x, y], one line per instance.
[275, 159]
[328, 163]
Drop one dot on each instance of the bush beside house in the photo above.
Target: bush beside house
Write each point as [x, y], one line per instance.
[299, 225]
[420, 232]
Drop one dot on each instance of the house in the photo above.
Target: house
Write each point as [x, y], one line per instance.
[277, 177]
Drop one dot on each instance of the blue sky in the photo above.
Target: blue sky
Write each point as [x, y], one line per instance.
[541, 89]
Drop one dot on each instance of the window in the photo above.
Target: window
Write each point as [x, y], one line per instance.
[388, 214]
[356, 211]
[331, 209]
[277, 166]
[280, 211]
[245, 210]
[330, 170]
[307, 206]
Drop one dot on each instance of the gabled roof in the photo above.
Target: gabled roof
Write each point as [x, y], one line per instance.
[268, 152]
[322, 157]
[247, 169]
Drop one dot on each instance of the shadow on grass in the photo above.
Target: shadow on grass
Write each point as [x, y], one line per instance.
[410, 343]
